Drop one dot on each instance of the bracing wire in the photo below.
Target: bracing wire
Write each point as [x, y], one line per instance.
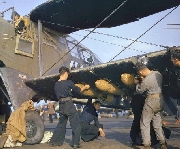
[144, 33]
[115, 36]
[88, 34]
[111, 43]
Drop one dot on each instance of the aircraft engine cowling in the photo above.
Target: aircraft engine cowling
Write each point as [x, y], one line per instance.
[127, 79]
[108, 87]
[90, 92]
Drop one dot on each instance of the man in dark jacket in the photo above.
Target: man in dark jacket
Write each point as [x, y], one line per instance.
[18, 22]
[89, 131]
[175, 58]
[63, 88]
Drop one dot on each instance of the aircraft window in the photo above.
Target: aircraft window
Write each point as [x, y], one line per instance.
[24, 47]
[90, 61]
[74, 54]
[79, 65]
[75, 65]
[87, 57]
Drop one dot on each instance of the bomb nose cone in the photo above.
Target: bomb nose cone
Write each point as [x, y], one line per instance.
[98, 82]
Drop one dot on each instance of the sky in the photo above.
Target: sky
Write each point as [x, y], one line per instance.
[106, 47]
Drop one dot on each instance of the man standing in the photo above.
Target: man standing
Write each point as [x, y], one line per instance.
[151, 87]
[51, 111]
[175, 58]
[18, 22]
[63, 88]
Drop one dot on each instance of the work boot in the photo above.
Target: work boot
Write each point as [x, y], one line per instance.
[146, 147]
[54, 145]
[141, 147]
[77, 146]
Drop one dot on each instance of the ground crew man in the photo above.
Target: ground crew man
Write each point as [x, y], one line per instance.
[18, 22]
[175, 58]
[89, 131]
[63, 88]
[151, 87]
[79, 108]
[51, 111]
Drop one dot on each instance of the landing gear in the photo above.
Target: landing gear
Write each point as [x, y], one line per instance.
[34, 127]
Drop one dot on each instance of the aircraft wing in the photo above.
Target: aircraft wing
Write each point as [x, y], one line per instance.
[115, 78]
[67, 16]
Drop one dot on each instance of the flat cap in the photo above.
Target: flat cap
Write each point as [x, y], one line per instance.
[140, 66]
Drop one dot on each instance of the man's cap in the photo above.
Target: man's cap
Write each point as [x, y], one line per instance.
[140, 66]
[15, 14]
[134, 60]
[97, 102]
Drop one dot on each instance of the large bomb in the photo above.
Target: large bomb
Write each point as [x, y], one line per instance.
[89, 92]
[127, 79]
[108, 87]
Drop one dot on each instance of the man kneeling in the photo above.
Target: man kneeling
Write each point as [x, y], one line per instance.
[89, 131]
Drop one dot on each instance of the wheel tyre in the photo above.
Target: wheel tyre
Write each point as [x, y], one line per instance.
[34, 128]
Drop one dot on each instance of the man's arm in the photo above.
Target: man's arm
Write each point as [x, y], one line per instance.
[89, 102]
[78, 89]
[98, 125]
[85, 87]
[141, 87]
[96, 122]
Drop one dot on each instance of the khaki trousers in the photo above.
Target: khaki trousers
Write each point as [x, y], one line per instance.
[151, 112]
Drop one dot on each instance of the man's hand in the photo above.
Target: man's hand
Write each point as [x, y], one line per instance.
[136, 81]
[101, 132]
[83, 87]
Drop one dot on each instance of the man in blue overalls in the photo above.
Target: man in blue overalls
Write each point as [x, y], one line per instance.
[63, 90]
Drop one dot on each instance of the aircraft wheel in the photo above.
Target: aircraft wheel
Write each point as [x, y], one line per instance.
[34, 127]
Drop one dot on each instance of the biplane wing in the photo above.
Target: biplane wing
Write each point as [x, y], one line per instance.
[113, 79]
[67, 16]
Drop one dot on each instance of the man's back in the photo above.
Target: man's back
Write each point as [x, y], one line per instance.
[153, 83]
[64, 88]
